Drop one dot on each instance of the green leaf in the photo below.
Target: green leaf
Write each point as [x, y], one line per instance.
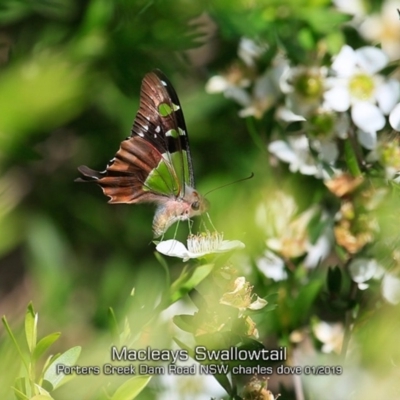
[113, 324]
[22, 389]
[272, 303]
[184, 322]
[304, 300]
[306, 38]
[42, 392]
[44, 344]
[351, 158]
[224, 382]
[31, 319]
[131, 388]
[197, 299]
[184, 346]
[14, 340]
[68, 358]
[19, 395]
[334, 41]
[189, 279]
[41, 397]
[323, 20]
[126, 333]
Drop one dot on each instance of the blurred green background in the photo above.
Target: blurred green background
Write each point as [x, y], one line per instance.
[70, 75]
[69, 90]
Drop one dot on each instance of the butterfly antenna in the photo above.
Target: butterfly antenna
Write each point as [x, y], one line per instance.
[209, 220]
[231, 183]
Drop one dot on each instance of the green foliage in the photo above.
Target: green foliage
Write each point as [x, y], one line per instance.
[70, 74]
[36, 385]
[131, 388]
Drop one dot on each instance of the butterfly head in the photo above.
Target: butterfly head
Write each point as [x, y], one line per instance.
[198, 203]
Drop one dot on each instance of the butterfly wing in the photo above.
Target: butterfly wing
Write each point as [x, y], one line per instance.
[154, 163]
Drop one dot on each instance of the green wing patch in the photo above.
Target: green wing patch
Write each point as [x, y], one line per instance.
[167, 177]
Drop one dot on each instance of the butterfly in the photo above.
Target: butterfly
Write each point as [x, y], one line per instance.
[154, 164]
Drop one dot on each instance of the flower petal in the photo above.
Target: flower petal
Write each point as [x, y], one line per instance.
[318, 251]
[387, 95]
[173, 248]
[367, 116]
[228, 245]
[391, 288]
[367, 139]
[288, 115]
[337, 98]
[329, 151]
[371, 59]
[239, 95]
[345, 62]
[258, 304]
[272, 266]
[216, 84]
[249, 51]
[363, 269]
[394, 118]
[282, 150]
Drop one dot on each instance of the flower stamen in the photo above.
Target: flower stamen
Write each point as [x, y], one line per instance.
[204, 242]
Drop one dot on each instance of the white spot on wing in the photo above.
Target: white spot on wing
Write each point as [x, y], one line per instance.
[164, 83]
[155, 135]
[141, 134]
[158, 129]
[182, 132]
[146, 127]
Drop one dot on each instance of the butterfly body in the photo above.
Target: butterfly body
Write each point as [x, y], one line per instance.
[181, 209]
[154, 164]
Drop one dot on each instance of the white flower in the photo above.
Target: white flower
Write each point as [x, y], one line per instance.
[357, 85]
[198, 246]
[353, 7]
[331, 335]
[249, 51]
[272, 266]
[383, 28]
[193, 387]
[266, 89]
[285, 229]
[318, 251]
[304, 87]
[364, 269]
[391, 288]
[263, 95]
[241, 297]
[394, 118]
[296, 152]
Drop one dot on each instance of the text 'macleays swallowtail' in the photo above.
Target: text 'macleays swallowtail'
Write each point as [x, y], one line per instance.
[154, 164]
